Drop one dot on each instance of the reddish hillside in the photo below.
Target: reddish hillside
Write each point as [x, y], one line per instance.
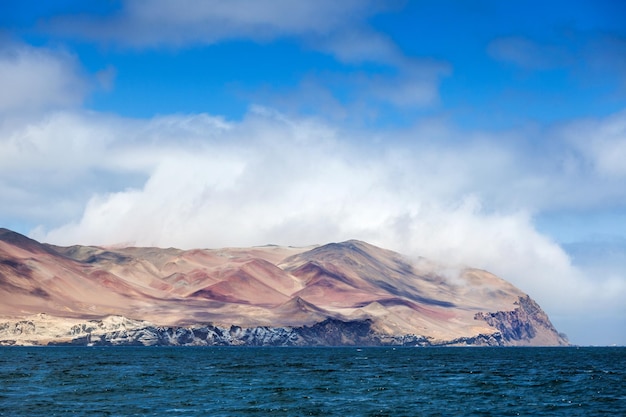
[264, 286]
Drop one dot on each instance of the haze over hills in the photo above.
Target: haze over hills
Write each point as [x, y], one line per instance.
[349, 293]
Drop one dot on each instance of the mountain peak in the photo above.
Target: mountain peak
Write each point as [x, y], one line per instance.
[22, 242]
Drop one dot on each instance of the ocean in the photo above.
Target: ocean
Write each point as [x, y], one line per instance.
[245, 381]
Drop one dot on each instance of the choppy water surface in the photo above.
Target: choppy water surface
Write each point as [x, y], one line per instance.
[146, 381]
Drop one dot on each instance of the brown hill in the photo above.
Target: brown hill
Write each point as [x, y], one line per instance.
[270, 287]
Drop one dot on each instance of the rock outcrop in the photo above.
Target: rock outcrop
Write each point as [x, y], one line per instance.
[330, 332]
[525, 323]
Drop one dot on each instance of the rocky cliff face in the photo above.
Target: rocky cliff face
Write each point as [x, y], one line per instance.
[525, 323]
[348, 293]
[119, 331]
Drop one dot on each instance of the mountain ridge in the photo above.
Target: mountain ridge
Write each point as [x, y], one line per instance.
[353, 284]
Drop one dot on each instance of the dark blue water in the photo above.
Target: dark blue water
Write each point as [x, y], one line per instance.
[144, 381]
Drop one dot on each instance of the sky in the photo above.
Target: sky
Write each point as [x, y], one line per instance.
[487, 134]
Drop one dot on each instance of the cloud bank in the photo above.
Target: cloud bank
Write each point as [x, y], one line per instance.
[34, 79]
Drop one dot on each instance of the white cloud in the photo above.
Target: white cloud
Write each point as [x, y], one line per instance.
[51, 164]
[529, 54]
[592, 59]
[405, 81]
[362, 45]
[33, 79]
[414, 84]
[337, 28]
[601, 143]
[182, 22]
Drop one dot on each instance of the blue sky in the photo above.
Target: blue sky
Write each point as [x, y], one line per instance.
[486, 133]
